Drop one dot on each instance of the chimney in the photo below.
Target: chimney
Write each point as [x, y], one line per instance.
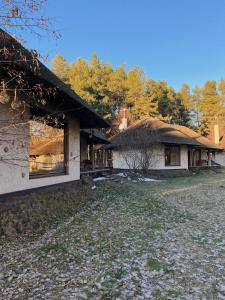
[216, 134]
[123, 124]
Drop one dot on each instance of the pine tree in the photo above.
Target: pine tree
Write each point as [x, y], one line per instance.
[79, 77]
[60, 67]
[195, 102]
[185, 96]
[210, 104]
[107, 90]
[141, 95]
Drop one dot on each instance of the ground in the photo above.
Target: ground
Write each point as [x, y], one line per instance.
[139, 240]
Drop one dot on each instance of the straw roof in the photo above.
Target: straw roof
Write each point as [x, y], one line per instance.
[152, 130]
[53, 147]
[198, 137]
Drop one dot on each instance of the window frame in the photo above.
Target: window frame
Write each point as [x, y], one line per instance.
[172, 146]
[65, 170]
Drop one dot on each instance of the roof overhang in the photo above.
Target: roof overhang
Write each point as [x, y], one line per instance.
[63, 100]
[94, 136]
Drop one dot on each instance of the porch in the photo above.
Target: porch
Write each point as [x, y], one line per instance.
[94, 157]
[200, 157]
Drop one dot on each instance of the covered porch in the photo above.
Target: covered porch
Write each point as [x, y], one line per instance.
[201, 157]
[94, 157]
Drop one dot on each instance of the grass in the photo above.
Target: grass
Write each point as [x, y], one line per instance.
[58, 247]
[161, 240]
[156, 265]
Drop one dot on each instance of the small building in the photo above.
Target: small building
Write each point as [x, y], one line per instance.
[151, 144]
[40, 122]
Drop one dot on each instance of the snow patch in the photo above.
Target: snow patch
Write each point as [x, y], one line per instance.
[149, 180]
[121, 175]
[99, 179]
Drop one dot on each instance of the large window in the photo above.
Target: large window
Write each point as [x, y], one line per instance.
[47, 149]
[172, 155]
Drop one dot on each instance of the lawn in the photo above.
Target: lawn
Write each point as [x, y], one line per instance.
[139, 240]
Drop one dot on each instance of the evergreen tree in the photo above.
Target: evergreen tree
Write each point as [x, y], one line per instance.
[136, 98]
[79, 77]
[117, 87]
[195, 102]
[60, 67]
[185, 96]
[210, 104]
[107, 90]
[98, 84]
[221, 91]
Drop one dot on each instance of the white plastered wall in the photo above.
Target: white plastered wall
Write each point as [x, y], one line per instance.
[220, 158]
[157, 160]
[14, 154]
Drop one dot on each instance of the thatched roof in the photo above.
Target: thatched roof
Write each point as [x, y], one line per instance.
[197, 137]
[152, 130]
[14, 55]
[54, 147]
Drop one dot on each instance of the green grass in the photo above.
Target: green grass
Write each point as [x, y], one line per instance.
[58, 247]
[155, 265]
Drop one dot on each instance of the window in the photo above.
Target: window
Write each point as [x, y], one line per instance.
[172, 155]
[47, 152]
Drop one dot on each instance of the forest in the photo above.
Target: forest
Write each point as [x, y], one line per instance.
[109, 89]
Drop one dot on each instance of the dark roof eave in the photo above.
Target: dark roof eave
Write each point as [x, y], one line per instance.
[88, 117]
[95, 136]
[55, 81]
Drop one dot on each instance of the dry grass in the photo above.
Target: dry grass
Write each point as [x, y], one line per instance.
[158, 240]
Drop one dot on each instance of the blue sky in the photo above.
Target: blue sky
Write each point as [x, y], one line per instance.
[180, 41]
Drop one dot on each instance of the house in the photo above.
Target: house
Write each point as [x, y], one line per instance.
[40, 122]
[151, 144]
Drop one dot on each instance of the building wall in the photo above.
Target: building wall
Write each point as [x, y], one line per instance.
[14, 153]
[220, 158]
[120, 158]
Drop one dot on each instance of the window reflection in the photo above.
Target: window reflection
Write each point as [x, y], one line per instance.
[47, 149]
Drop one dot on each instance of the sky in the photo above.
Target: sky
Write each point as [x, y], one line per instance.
[180, 41]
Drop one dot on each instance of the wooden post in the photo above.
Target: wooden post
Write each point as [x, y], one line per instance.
[92, 156]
